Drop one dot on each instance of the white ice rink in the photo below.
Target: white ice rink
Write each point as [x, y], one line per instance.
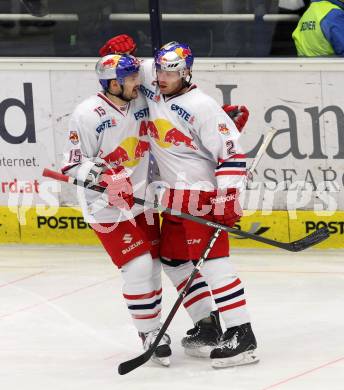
[64, 325]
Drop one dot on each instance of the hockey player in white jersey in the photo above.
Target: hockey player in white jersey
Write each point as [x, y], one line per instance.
[196, 148]
[105, 146]
[203, 337]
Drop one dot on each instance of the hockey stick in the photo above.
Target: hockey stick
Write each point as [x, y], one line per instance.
[295, 246]
[267, 139]
[130, 365]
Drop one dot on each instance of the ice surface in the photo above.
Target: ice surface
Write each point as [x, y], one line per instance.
[64, 325]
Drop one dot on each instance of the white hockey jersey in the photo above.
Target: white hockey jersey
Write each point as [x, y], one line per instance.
[99, 130]
[193, 140]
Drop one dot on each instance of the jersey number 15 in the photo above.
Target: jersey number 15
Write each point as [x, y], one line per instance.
[75, 156]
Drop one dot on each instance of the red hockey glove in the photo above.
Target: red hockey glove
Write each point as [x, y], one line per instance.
[226, 207]
[119, 188]
[239, 115]
[120, 44]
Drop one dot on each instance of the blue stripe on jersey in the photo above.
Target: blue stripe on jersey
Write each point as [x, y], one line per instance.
[234, 164]
[196, 287]
[146, 306]
[230, 296]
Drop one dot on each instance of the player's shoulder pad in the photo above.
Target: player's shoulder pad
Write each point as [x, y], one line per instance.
[87, 109]
[85, 116]
[201, 98]
[208, 112]
[202, 105]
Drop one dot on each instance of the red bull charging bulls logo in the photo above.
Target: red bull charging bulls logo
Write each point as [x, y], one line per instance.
[165, 134]
[112, 62]
[128, 153]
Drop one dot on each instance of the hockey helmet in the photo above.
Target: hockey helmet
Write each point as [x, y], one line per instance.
[116, 67]
[174, 56]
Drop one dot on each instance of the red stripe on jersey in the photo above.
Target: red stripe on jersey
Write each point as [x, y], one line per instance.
[182, 284]
[143, 296]
[232, 306]
[109, 102]
[239, 173]
[234, 156]
[145, 316]
[227, 287]
[197, 298]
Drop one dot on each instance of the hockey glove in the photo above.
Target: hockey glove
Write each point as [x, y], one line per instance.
[239, 115]
[119, 188]
[226, 207]
[120, 44]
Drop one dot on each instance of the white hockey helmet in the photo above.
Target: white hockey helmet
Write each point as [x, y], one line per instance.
[115, 66]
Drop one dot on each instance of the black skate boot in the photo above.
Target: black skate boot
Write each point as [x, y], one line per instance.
[205, 336]
[163, 351]
[236, 347]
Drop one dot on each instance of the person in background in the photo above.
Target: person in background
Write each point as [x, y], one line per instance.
[282, 44]
[320, 31]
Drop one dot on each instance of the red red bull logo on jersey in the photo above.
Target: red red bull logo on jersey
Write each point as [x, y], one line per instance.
[148, 128]
[165, 134]
[176, 137]
[128, 153]
[118, 156]
[141, 148]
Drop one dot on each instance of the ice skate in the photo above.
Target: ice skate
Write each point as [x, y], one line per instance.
[163, 351]
[237, 347]
[204, 337]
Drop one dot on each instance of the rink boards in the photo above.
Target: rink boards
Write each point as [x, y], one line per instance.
[303, 168]
[65, 225]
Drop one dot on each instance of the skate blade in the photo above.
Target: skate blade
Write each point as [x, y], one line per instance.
[248, 357]
[200, 352]
[162, 361]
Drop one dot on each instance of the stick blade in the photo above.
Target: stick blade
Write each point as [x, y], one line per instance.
[313, 239]
[130, 365]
